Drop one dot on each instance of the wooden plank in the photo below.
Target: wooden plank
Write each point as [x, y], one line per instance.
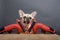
[29, 37]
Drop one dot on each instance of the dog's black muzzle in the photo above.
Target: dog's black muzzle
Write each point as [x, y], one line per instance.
[26, 20]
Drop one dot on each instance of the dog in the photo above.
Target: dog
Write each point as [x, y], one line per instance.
[27, 18]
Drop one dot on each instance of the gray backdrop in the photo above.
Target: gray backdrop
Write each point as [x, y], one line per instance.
[48, 11]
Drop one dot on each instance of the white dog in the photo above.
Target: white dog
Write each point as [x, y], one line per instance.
[27, 18]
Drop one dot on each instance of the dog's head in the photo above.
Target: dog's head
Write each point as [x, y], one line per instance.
[27, 18]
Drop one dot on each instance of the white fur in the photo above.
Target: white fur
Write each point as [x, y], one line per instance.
[29, 26]
[21, 13]
[32, 15]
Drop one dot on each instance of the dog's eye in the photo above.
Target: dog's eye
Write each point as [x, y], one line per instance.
[30, 17]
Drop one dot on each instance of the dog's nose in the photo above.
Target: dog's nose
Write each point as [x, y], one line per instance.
[26, 20]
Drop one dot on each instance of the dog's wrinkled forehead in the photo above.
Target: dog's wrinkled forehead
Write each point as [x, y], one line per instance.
[27, 15]
[32, 15]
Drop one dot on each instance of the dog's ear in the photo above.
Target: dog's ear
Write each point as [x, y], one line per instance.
[21, 13]
[33, 14]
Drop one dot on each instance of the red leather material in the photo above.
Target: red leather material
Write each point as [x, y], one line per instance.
[43, 28]
[13, 26]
